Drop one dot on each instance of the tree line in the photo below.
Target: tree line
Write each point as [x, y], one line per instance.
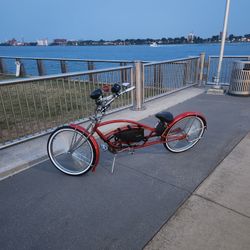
[191, 39]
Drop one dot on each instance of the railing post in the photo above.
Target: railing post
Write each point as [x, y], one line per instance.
[202, 61]
[20, 70]
[208, 69]
[2, 67]
[139, 87]
[90, 67]
[40, 67]
[63, 66]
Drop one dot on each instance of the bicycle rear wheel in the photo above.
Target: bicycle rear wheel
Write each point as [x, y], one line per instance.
[71, 151]
[184, 134]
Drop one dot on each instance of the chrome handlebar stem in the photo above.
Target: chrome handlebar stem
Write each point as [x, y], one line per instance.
[103, 104]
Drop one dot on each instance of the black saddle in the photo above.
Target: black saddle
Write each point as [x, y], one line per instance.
[165, 116]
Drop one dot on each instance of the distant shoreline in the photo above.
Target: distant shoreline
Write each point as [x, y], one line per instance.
[119, 45]
[191, 39]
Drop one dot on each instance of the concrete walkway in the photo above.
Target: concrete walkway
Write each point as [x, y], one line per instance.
[217, 215]
[42, 208]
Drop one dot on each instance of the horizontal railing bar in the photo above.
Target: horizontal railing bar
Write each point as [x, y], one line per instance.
[230, 56]
[64, 75]
[65, 59]
[171, 61]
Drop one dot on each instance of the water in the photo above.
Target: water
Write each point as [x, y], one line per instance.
[142, 52]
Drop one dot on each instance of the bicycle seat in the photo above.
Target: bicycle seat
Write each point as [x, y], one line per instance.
[165, 116]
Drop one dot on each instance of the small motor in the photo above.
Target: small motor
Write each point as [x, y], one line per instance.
[129, 134]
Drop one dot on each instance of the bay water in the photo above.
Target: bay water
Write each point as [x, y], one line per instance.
[135, 52]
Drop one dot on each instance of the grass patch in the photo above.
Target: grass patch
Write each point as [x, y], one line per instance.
[37, 106]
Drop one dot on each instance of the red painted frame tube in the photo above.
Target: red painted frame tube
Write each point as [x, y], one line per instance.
[104, 137]
[125, 121]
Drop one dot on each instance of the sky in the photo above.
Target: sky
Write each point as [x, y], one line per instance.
[30, 20]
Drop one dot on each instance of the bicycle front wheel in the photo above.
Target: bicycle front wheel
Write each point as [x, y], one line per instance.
[71, 151]
[184, 134]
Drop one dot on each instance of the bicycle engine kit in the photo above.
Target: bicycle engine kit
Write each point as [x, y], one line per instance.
[129, 134]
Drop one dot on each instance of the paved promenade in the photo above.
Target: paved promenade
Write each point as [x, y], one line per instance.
[217, 215]
[41, 208]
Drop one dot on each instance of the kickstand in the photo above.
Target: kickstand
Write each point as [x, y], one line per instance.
[131, 151]
[113, 164]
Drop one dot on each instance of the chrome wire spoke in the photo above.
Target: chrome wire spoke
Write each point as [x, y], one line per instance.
[77, 144]
[81, 157]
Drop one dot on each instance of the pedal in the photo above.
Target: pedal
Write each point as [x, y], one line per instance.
[104, 147]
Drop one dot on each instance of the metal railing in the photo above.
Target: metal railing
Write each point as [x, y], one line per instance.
[30, 66]
[160, 78]
[226, 70]
[31, 106]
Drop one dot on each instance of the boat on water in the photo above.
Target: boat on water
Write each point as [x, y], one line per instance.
[154, 44]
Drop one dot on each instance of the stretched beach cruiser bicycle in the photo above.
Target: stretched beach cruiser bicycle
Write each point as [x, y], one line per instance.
[74, 150]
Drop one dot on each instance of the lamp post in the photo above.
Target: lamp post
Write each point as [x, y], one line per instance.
[217, 78]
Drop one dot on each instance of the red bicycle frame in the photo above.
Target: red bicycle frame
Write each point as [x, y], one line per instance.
[151, 134]
[75, 150]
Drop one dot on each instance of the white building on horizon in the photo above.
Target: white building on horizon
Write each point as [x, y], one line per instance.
[42, 42]
[190, 37]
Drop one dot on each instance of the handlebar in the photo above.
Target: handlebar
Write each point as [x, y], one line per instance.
[127, 90]
[106, 101]
[103, 103]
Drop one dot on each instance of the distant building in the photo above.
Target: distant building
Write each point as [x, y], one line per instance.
[72, 43]
[42, 42]
[59, 42]
[12, 42]
[190, 37]
[20, 44]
